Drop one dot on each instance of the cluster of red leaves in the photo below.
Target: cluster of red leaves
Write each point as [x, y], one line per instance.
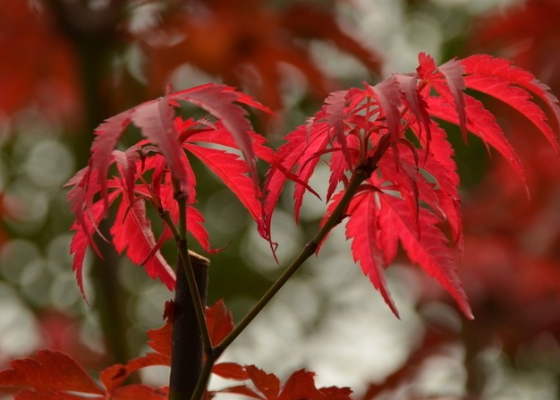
[414, 189]
[162, 157]
[511, 253]
[409, 196]
[53, 375]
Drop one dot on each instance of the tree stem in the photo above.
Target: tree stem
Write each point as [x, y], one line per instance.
[187, 345]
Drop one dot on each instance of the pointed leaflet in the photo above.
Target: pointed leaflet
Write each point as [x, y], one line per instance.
[307, 165]
[448, 81]
[483, 124]
[50, 371]
[108, 134]
[267, 384]
[338, 166]
[219, 100]
[80, 197]
[334, 108]
[155, 119]
[291, 154]
[363, 230]
[453, 72]
[219, 322]
[486, 65]
[233, 172]
[408, 85]
[429, 250]
[388, 96]
[127, 160]
[219, 135]
[515, 97]
[82, 238]
[132, 231]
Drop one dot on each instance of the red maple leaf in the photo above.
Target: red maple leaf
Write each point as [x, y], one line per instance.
[163, 157]
[411, 190]
[265, 386]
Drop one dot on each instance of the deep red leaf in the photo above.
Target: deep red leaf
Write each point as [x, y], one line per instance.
[408, 85]
[132, 231]
[230, 371]
[334, 108]
[389, 98]
[219, 100]
[267, 384]
[483, 124]
[233, 172]
[487, 65]
[293, 154]
[160, 339]
[453, 73]
[429, 249]
[517, 98]
[300, 385]
[114, 376]
[362, 228]
[219, 322]
[160, 342]
[49, 371]
[108, 134]
[219, 135]
[127, 162]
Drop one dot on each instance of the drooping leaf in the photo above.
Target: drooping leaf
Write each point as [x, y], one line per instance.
[82, 239]
[233, 172]
[516, 97]
[428, 249]
[107, 136]
[487, 65]
[483, 124]
[389, 98]
[453, 73]
[132, 232]
[362, 228]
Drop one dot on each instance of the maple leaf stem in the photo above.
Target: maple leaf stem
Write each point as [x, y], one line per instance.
[309, 249]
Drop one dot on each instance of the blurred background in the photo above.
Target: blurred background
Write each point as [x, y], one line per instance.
[65, 65]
